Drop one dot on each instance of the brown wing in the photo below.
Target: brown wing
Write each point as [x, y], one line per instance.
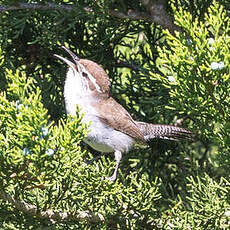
[114, 115]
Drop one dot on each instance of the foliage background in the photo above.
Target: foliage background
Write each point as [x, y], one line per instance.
[161, 72]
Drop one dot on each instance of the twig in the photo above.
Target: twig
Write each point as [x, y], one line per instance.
[50, 214]
[35, 6]
[132, 66]
[156, 12]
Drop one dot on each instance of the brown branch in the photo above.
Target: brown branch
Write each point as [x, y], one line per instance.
[156, 12]
[50, 214]
[35, 6]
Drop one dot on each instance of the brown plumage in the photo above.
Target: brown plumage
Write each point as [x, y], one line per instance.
[112, 127]
[119, 118]
[99, 74]
[158, 131]
[116, 116]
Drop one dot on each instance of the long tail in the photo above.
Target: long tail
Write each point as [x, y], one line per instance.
[170, 132]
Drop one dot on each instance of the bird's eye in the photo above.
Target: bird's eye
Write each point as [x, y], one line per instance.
[76, 58]
[84, 74]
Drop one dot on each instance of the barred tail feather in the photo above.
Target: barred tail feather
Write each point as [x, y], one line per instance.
[170, 132]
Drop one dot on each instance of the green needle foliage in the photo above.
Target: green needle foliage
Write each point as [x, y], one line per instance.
[44, 171]
[205, 207]
[196, 70]
[48, 179]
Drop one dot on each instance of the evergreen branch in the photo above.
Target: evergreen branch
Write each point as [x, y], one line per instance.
[132, 66]
[156, 12]
[49, 214]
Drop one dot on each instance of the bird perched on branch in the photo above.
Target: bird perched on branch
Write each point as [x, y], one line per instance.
[112, 127]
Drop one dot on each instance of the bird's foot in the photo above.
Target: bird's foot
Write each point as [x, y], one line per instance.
[111, 178]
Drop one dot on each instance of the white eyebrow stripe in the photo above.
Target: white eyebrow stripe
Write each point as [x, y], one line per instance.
[91, 78]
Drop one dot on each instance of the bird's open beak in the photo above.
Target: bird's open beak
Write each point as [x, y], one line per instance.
[74, 56]
[69, 63]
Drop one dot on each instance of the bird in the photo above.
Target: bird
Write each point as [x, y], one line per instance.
[112, 128]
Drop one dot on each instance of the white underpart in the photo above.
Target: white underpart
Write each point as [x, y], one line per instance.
[101, 137]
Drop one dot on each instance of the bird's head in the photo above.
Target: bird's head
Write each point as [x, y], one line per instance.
[88, 73]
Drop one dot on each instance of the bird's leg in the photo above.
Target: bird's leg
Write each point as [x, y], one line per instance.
[118, 156]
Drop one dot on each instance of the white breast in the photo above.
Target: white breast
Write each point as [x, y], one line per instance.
[101, 137]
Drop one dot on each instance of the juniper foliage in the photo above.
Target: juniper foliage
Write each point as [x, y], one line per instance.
[179, 77]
